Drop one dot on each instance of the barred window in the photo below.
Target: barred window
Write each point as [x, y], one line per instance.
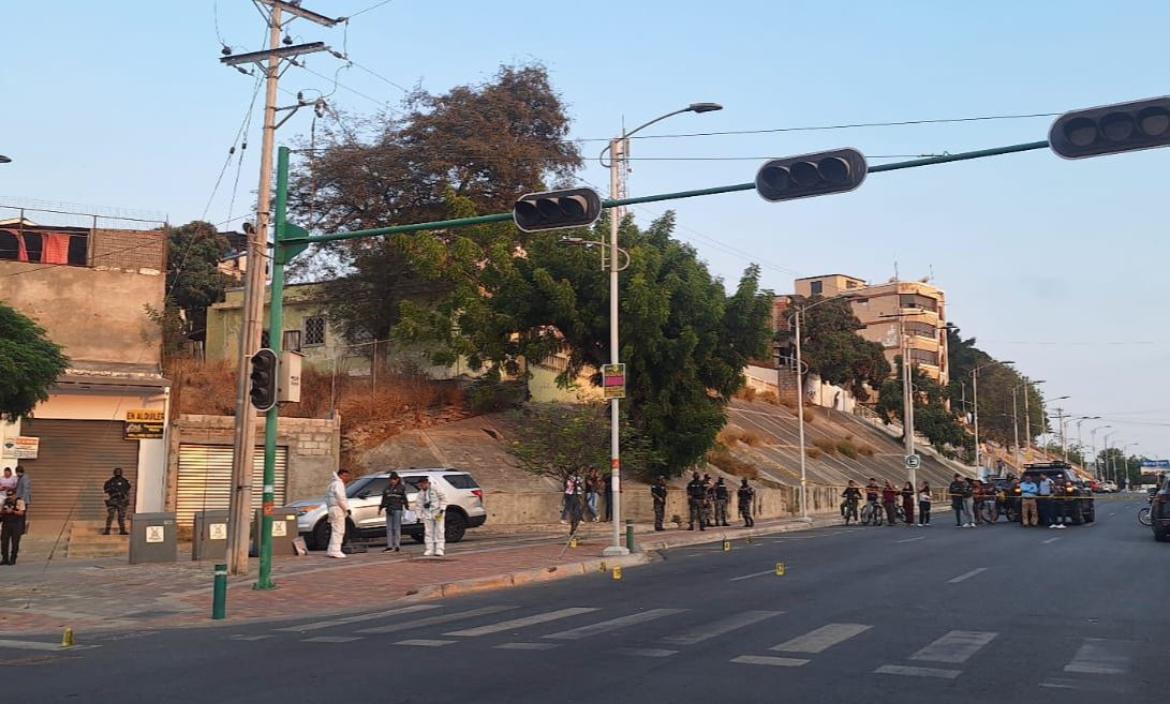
[315, 331]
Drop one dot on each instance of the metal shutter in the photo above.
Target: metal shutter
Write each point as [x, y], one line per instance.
[74, 460]
[205, 479]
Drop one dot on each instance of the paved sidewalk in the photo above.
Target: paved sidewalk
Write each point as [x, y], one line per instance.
[112, 595]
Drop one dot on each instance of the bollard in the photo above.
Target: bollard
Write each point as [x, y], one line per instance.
[630, 535]
[617, 574]
[219, 593]
[67, 638]
[726, 546]
[780, 569]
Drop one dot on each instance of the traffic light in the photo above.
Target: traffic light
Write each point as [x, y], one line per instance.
[1111, 129]
[576, 207]
[263, 391]
[818, 174]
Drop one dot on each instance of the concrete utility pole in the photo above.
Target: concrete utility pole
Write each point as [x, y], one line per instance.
[907, 401]
[975, 393]
[244, 440]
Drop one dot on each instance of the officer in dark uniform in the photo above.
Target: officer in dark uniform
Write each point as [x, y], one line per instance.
[747, 497]
[696, 494]
[721, 499]
[12, 527]
[117, 490]
[708, 501]
[658, 492]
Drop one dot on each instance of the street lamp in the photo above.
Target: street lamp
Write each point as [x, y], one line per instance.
[1109, 464]
[1058, 398]
[1016, 418]
[1093, 441]
[619, 152]
[1080, 440]
[5, 160]
[1125, 460]
[975, 391]
[907, 392]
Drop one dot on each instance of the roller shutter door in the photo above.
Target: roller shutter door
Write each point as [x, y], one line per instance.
[74, 460]
[205, 479]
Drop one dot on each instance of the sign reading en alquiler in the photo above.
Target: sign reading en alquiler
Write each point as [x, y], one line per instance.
[144, 424]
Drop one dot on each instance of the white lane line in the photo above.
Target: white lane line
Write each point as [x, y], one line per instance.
[768, 660]
[753, 574]
[518, 623]
[955, 647]
[1098, 656]
[425, 643]
[526, 646]
[911, 540]
[646, 652]
[435, 620]
[1093, 685]
[613, 624]
[1050, 540]
[357, 619]
[240, 636]
[698, 634]
[966, 575]
[908, 671]
[822, 638]
[330, 639]
[36, 645]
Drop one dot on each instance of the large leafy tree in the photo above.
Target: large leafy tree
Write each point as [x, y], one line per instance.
[560, 440]
[29, 364]
[997, 420]
[684, 340]
[194, 281]
[483, 145]
[833, 350]
[933, 416]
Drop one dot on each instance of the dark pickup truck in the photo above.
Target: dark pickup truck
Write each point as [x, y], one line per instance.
[1072, 497]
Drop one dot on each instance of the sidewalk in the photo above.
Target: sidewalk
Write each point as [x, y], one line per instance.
[41, 598]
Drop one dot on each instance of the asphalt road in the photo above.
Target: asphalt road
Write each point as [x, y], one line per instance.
[999, 613]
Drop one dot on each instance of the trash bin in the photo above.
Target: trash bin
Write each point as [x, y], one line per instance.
[154, 538]
[284, 531]
[210, 536]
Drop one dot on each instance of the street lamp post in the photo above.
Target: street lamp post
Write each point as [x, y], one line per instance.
[1109, 458]
[975, 392]
[1080, 439]
[907, 391]
[1093, 441]
[619, 152]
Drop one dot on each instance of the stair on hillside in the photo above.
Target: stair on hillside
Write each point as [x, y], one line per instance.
[87, 542]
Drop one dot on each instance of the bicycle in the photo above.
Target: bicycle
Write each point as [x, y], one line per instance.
[849, 511]
[872, 514]
[987, 511]
[1144, 516]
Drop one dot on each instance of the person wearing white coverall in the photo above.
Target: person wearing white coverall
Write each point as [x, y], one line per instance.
[338, 505]
[431, 505]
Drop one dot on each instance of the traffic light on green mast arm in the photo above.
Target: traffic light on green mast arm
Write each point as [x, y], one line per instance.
[263, 377]
[807, 175]
[1112, 129]
[577, 207]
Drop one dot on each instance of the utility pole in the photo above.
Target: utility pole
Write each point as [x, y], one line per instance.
[908, 402]
[1063, 445]
[616, 165]
[800, 421]
[244, 439]
[1016, 424]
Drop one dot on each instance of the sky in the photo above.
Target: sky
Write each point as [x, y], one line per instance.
[123, 108]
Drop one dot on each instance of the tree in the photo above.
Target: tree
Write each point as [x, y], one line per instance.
[932, 416]
[482, 146]
[515, 297]
[559, 441]
[194, 281]
[30, 364]
[997, 419]
[833, 350]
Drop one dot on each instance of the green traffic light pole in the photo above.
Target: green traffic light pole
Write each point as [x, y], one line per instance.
[291, 240]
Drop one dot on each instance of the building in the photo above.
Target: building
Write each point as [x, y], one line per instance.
[92, 291]
[917, 306]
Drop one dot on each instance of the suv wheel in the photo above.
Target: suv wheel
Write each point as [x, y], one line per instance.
[1078, 517]
[1162, 536]
[456, 527]
[320, 535]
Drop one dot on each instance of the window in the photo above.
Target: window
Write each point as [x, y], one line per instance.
[923, 357]
[920, 330]
[461, 481]
[292, 340]
[916, 301]
[850, 284]
[39, 245]
[816, 287]
[314, 331]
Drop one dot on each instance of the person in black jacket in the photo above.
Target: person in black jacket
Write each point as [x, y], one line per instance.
[747, 497]
[722, 496]
[696, 495]
[658, 493]
[956, 490]
[393, 503]
[117, 489]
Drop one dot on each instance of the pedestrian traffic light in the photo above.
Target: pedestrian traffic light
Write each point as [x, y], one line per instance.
[263, 391]
[818, 174]
[577, 207]
[1111, 129]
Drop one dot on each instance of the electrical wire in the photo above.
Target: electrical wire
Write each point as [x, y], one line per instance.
[303, 67]
[371, 8]
[241, 132]
[379, 76]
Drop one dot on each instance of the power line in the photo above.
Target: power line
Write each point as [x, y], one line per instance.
[377, 75]
[337, 84]
[371, 8]
[241, 132]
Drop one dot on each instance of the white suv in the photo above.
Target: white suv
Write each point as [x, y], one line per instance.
[465, 507]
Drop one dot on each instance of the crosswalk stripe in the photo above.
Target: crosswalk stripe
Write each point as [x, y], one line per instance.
[613, 624]
[954, 647]
[822, 638]
[909, 671]
[718, 628]
[1098, 656]
[526, 646]
[240, 636]
[518, 623]
[330, 639]
[357, 619]
[646, 652]
[435, 620]
[966, 575]
[769, 660]
[426, 643]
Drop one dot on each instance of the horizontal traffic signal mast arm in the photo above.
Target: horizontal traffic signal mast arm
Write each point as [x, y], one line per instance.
[614, 203]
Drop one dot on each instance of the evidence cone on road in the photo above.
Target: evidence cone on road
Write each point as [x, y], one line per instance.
[573, 542]
[726, 546]
[780, 569]
[67, 638]
[617, 574]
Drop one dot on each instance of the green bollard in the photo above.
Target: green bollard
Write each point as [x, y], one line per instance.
[219, 594]
[630, 535]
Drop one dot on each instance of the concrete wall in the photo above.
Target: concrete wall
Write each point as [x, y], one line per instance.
[314, 446]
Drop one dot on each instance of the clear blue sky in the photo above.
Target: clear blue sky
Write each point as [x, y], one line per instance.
[1054, 264]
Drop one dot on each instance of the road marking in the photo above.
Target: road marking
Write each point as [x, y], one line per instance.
[1098, 656]
[613, 624]
[911, 540]
[425, 643]
[967, 575]
[357, 619]
[526, 646]
[240, 636]
[646, 652]
[517, 623]
[699, 634]
[822, 638]
[1050, 540]
[768, 660]
[331, 639]
[955, 647]
[36, 645]
[753, 574]
[435, 620]
[908, 671]
[1094, 685]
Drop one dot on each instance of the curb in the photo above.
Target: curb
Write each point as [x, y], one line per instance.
[715, 536]
[527, 577]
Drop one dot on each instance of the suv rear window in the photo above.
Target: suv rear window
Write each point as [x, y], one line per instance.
[461, 481]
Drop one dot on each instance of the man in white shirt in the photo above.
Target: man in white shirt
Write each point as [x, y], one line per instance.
[338, 505]
[431, 506]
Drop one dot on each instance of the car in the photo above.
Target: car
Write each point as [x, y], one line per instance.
[465, 507]
[1076, 501]
[1160, 512]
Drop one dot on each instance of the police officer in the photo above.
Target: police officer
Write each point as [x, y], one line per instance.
[747, 497]
[721, 498]
[658, 493]
[696, 493]
[117, 490]
[12, 527]
[708, 501]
